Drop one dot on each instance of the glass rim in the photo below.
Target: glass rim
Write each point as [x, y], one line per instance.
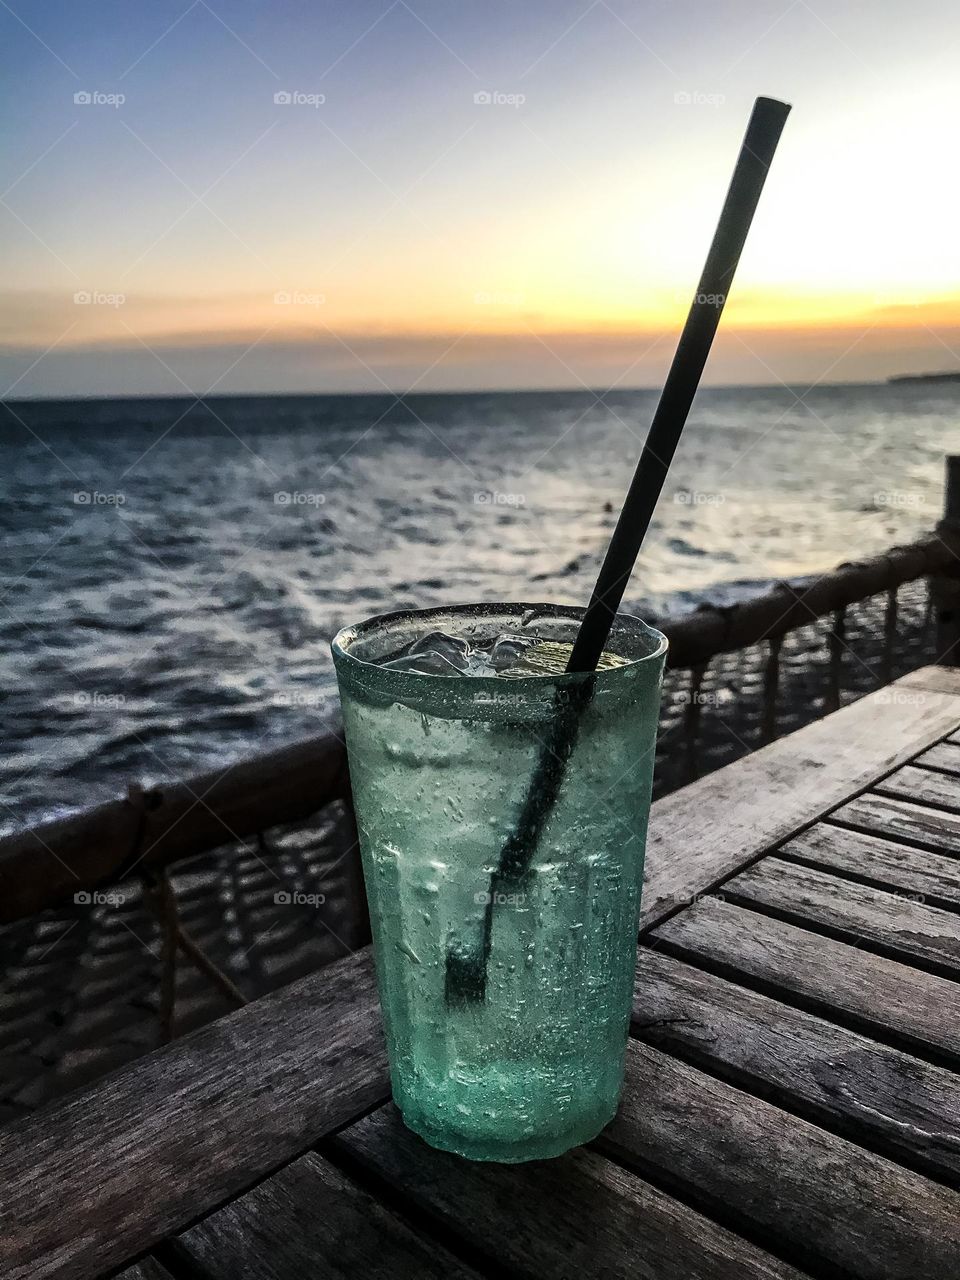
[411, 679]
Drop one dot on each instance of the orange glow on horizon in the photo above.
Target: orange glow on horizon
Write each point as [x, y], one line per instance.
[308, 315]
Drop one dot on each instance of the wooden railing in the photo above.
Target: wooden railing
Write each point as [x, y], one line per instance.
[153, 828]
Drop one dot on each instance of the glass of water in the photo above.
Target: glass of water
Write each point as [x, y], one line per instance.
[450, 716]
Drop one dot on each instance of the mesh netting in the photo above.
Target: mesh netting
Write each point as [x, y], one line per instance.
[713, 717]
[81, 986]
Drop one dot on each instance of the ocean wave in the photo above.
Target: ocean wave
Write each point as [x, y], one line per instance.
[171, 610]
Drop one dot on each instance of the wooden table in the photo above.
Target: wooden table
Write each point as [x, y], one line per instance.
[792, 1103]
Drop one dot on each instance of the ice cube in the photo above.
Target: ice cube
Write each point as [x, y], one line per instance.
[452, 648]
[509, 649]
[507, 654]
[433, 654]
[429, 663]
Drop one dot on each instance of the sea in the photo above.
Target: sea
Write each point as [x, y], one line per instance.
[173, 570]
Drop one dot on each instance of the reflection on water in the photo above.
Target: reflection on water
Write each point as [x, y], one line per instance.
[173, 575]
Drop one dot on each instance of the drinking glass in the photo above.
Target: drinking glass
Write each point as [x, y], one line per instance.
[440, 768]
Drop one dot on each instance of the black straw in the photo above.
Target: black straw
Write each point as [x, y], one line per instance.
[759, 144]
[466, 974]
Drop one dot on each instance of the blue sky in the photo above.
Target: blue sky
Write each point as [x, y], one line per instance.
[551, 235]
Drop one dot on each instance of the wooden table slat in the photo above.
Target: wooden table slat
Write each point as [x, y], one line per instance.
[870, 992]
[936, 677]
[923, 786]
[705, 831]
[901, 926]
[932, 829]
[905, 1108]
[311, 1220]
[944, 756]
[146, 1269]
[886, 863]
[833, 1202]
[143, 1152]
[576, 1215]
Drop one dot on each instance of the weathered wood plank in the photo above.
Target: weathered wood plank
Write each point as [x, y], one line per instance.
[895, 922]
[905, 1108]
[935, 677]
[924, 786]
[870, 992]
[936, 879]
[147, 1269]
[311, 1220]
[832, 1203]
[932, 829]
[140, 1154]
[944, 756]
[576, 1215]
[704, 832]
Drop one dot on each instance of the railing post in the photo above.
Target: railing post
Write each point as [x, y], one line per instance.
[946, 586]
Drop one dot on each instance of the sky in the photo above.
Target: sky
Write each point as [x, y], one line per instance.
[298, 195]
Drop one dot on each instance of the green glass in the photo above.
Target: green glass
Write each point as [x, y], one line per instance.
[440, 767]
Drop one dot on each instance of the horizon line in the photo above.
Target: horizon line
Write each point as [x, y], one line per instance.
[891, 379]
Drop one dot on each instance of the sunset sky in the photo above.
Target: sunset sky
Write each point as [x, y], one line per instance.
[183, 231]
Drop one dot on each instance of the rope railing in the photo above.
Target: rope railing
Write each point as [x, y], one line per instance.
[718, 710]
[712, 630]
[153, 828]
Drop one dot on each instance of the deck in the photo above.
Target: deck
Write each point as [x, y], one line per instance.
[792, 1104]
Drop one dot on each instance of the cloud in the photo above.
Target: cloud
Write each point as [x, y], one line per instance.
[109, 344]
